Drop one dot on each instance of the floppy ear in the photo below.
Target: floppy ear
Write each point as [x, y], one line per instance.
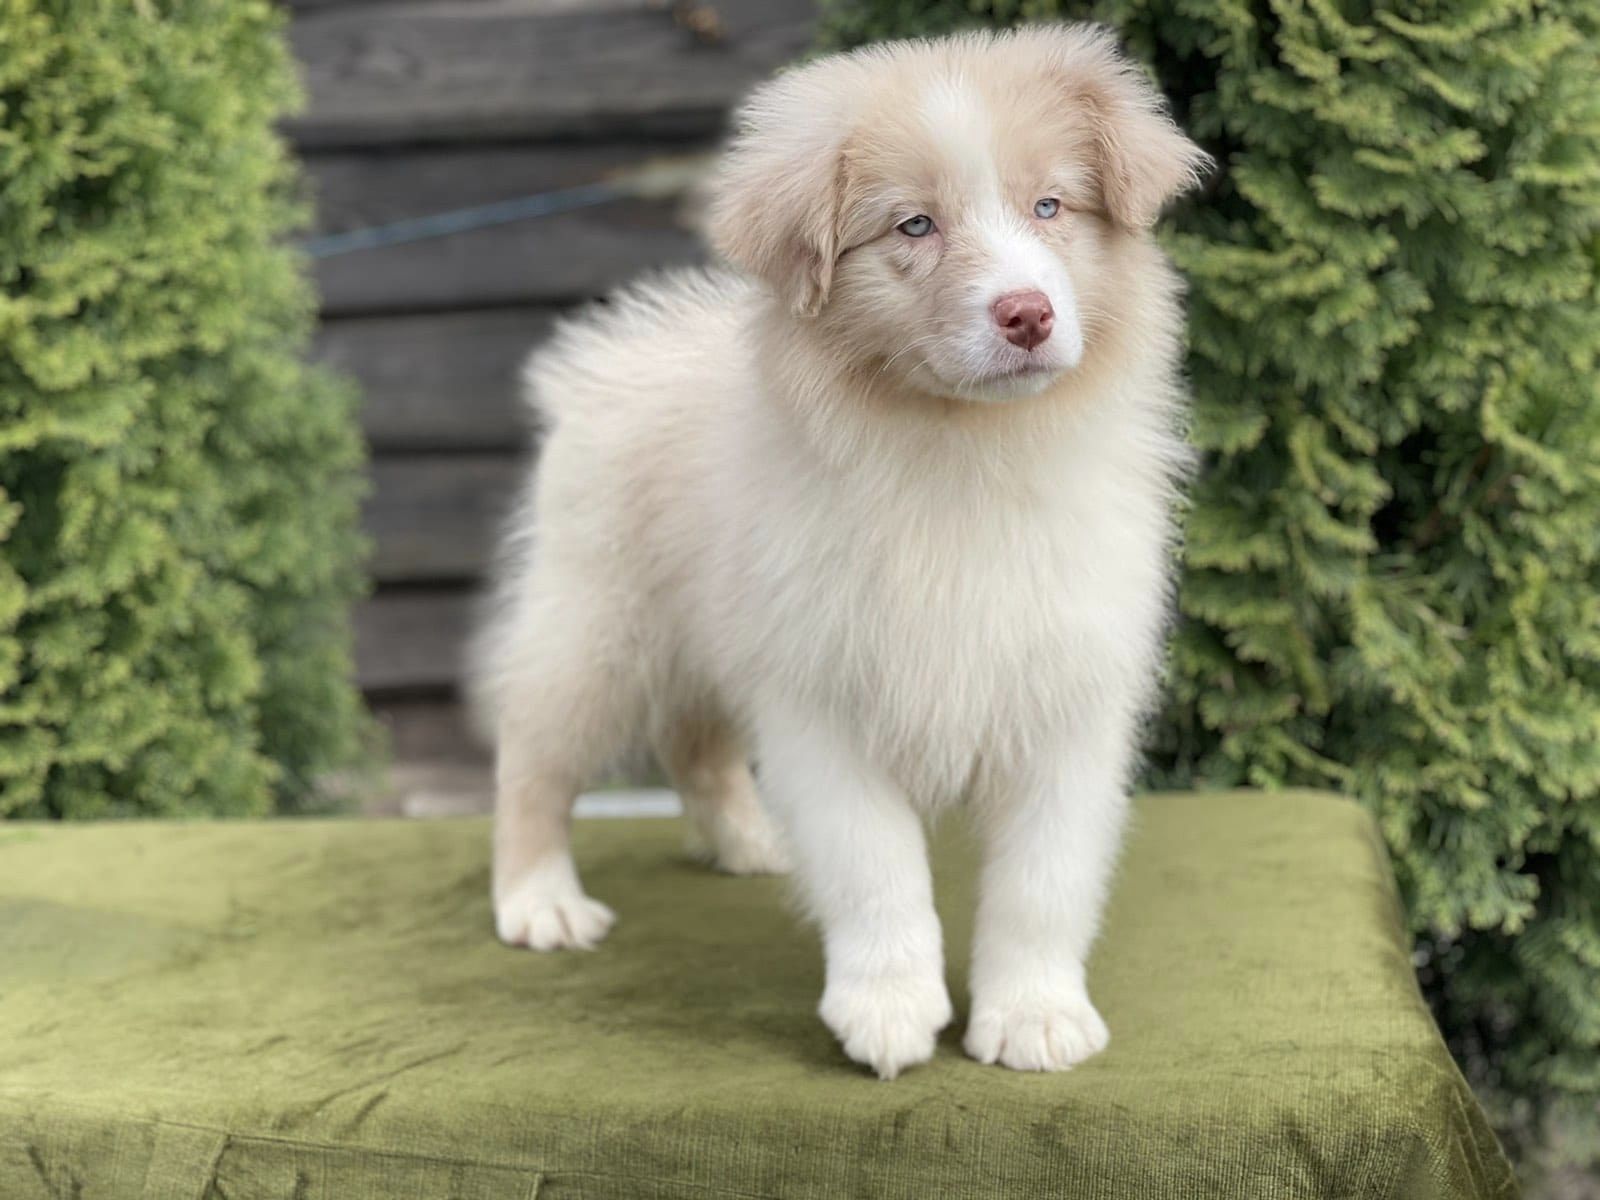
[1144, 158]
[775, 196]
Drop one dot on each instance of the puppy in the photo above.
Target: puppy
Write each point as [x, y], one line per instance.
[888, 509]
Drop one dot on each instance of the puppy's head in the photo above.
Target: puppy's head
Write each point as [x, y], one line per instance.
[946, 209]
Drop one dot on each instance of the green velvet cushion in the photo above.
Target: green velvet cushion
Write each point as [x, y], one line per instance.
[319, 1011]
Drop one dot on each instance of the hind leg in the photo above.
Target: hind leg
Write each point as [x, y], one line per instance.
[707, 765]
[564, 706]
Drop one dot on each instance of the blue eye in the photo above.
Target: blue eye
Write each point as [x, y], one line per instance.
[918, 226]
[1046, 208]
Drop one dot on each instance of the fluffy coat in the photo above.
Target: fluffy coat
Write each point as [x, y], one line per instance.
[818, 510]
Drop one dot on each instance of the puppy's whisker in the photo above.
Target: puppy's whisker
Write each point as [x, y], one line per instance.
[904, 350]
[909, 346]
[1104, 317]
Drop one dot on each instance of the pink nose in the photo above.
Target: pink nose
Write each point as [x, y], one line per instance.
[1024, 317]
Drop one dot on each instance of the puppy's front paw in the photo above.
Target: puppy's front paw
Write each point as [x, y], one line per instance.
[887, 1022]
[1050, 1036]
[546, 910]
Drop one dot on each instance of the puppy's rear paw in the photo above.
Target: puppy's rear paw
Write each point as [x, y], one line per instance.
[1037, 1037]
[888, 1023]
[751, 848]
[739, 839]
[547, 910]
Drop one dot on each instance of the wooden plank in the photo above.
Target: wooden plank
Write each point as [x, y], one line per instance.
[297, 6]
[447, 69]
[428, 729]
[413, 640]
[358, 189]
[437, 518]
[553, 259]
[534, 7]
[438, 381]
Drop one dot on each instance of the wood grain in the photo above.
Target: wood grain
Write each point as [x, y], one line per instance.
[413, 640]
[439, 381]
[430, 729]
[437, 517]
[449, 69]
[354, 189]
[542, 260]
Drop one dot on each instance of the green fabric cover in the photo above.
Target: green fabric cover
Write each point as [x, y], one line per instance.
[319, 1011]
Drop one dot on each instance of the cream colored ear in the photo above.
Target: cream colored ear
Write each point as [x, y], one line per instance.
[778, 220]
[775, 197]
[1145, 159]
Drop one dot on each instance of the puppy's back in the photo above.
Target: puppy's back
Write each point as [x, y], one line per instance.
[638, 346]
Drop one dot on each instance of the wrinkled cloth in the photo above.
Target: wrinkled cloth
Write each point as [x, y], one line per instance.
[318, 1010]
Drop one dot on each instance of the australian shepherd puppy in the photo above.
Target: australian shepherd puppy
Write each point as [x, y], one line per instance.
[885, 508]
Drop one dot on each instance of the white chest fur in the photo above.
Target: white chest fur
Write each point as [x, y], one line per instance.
[958, 607]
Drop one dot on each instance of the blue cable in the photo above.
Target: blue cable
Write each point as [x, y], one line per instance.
[464, 220]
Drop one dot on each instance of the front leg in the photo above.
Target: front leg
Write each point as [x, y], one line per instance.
[862, 866]
[1051, 841]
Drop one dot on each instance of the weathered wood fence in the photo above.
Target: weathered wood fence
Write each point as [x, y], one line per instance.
[421, 106]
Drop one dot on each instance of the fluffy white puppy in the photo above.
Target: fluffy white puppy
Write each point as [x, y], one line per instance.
[889, 510]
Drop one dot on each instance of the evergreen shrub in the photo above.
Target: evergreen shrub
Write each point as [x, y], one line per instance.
[178, 491]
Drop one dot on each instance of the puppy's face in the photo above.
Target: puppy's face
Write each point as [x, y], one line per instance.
[971, 240]
[944, 209]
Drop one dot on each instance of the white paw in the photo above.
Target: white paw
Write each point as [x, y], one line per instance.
[546, 910]
[1036, 1037]
[888, 1023]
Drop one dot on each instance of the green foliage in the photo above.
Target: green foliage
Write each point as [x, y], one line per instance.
[1394, 550]
[177, 490]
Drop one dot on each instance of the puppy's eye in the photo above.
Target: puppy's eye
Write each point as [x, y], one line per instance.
[1046, 208]
[918, 226]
